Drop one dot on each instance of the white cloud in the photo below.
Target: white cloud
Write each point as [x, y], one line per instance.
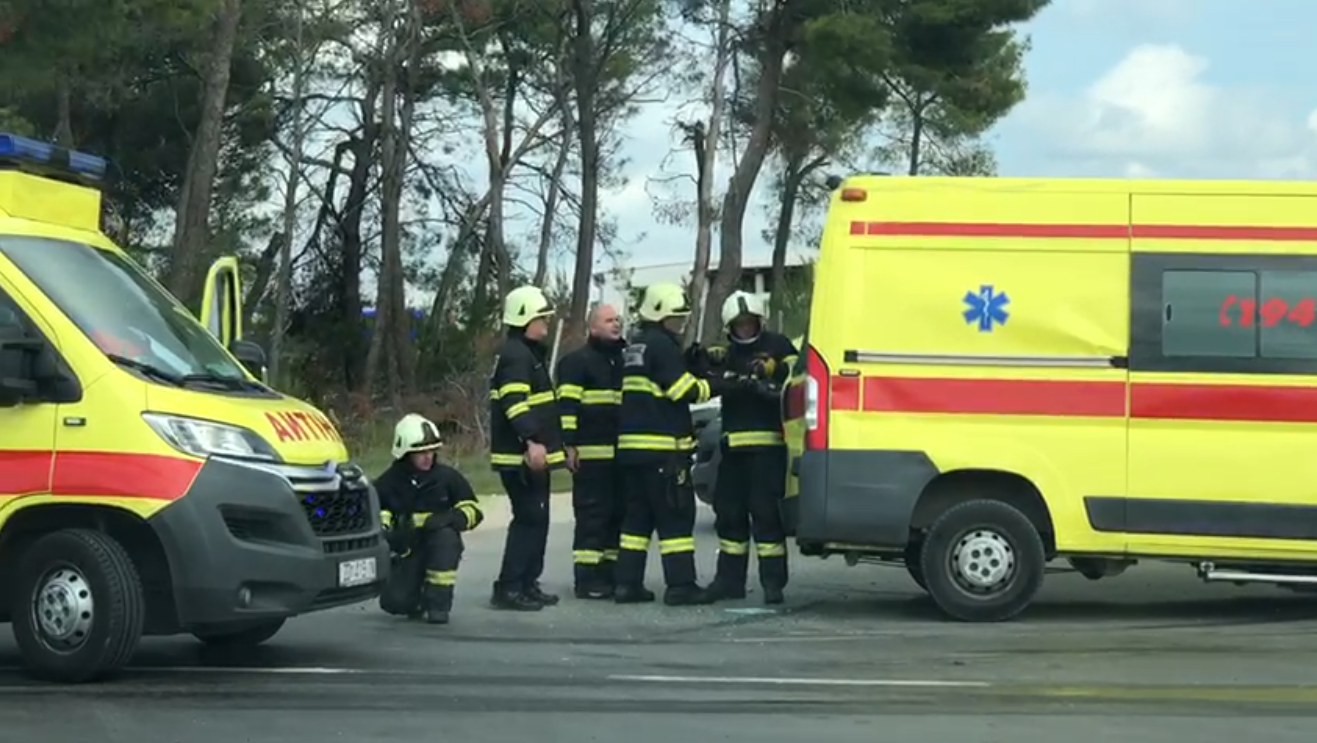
[1157, 112]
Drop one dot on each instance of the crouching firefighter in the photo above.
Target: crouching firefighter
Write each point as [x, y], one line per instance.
[425, 506]
[654, 445]
[753, 471]
[589, 397]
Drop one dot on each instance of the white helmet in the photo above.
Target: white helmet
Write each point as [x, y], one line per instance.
[525, 303]
[415, 433]
[662, 301]
[742, 303]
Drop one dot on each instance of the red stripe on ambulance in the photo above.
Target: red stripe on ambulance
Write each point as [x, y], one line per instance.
[1206, 402]
[1085, 231]
[96, 474]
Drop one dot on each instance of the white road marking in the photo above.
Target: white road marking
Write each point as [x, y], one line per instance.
[294, 671]
[772, 681]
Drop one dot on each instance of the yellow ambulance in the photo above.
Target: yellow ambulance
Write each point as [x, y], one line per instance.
[149, 483]
[1002, 372]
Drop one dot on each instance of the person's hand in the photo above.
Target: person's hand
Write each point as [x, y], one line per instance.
[536, 456]
[572, 461]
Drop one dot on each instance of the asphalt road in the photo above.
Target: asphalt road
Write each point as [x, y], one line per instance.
[857, 654]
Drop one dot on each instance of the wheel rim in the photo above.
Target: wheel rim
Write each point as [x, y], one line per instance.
[983, 562]
[63, 609]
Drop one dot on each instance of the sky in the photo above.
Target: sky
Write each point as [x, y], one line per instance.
[1117, 88]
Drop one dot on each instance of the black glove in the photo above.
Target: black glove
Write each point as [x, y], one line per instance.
[697, 360]
[458, 520]
[720, 384]
[397, 538]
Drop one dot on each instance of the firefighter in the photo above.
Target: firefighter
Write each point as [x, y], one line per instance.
[526, 444]
[424, 506]
[752, 473]
[589, 397]
[654, 445]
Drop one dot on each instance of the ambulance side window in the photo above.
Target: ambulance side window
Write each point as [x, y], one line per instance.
[1287, 310]
[1196, 313]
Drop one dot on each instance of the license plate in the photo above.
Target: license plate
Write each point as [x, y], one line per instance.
[356, 572]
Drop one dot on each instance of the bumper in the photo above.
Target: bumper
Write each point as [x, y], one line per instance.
[858, 497]
[253, 541]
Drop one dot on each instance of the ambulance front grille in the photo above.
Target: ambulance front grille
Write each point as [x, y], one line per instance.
[336, 513]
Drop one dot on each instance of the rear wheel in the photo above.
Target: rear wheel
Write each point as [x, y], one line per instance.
[248, 636]
[983, 561]
[77, 607]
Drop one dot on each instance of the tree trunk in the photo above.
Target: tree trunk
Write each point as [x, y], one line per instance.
[460, 250]
[916, 134]
[192, 220]
[550, 220]
[284, 285]
[390, 312]
[708, 161]
[350, 242]
[743, 180]
[786, 213]
[588, 136]
[64, 114]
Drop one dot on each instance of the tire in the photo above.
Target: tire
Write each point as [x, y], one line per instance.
[914, 562]
[988, 525]
[247, 637]
[80, 572]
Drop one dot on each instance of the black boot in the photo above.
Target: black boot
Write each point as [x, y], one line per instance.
[535, 593]
[724, 590]
[436, 617]
[591, 582]
[628, 594]
[513, 600]
[688, 595]
[773, 595]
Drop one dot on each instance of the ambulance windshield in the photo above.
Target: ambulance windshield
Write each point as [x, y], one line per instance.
[122, 311]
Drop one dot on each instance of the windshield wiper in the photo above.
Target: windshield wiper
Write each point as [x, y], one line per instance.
[149, 370]
[232, 383]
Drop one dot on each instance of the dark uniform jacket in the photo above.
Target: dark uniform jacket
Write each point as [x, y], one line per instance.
[522, 404]
[752, 413]
[657, 392]
[411, 499]
[590, 398]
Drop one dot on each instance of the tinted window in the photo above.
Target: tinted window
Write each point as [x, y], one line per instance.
[121, 310]
[1201, 313]
[1287, 315]
[1240, 314]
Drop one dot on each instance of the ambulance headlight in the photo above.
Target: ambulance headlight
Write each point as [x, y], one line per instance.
[202, 438]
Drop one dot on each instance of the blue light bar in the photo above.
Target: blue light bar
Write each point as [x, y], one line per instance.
[22, 151]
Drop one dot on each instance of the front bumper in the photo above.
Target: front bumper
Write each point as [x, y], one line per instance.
[253, 541]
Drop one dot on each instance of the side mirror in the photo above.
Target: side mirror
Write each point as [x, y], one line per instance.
[250, 355]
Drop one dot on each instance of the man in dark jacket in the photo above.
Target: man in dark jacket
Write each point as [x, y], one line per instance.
[753, 472]
[424, 506]
[526, 444]
[589, 399]
[654, 445]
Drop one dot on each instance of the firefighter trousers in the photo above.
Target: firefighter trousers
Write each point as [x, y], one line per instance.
[422, 579]
[528, 534]
[598, 507]
[658, 498]
[747, 503]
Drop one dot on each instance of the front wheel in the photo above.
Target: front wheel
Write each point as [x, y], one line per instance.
[914, 564]
[78, 606]
[983, 561]
[248, 636]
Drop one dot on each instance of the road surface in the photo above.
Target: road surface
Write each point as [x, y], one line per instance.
[856, 655]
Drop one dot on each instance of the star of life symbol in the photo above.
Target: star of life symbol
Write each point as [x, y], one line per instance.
[986, 307]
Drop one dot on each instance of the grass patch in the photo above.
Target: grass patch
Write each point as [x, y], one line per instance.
[370, 450]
